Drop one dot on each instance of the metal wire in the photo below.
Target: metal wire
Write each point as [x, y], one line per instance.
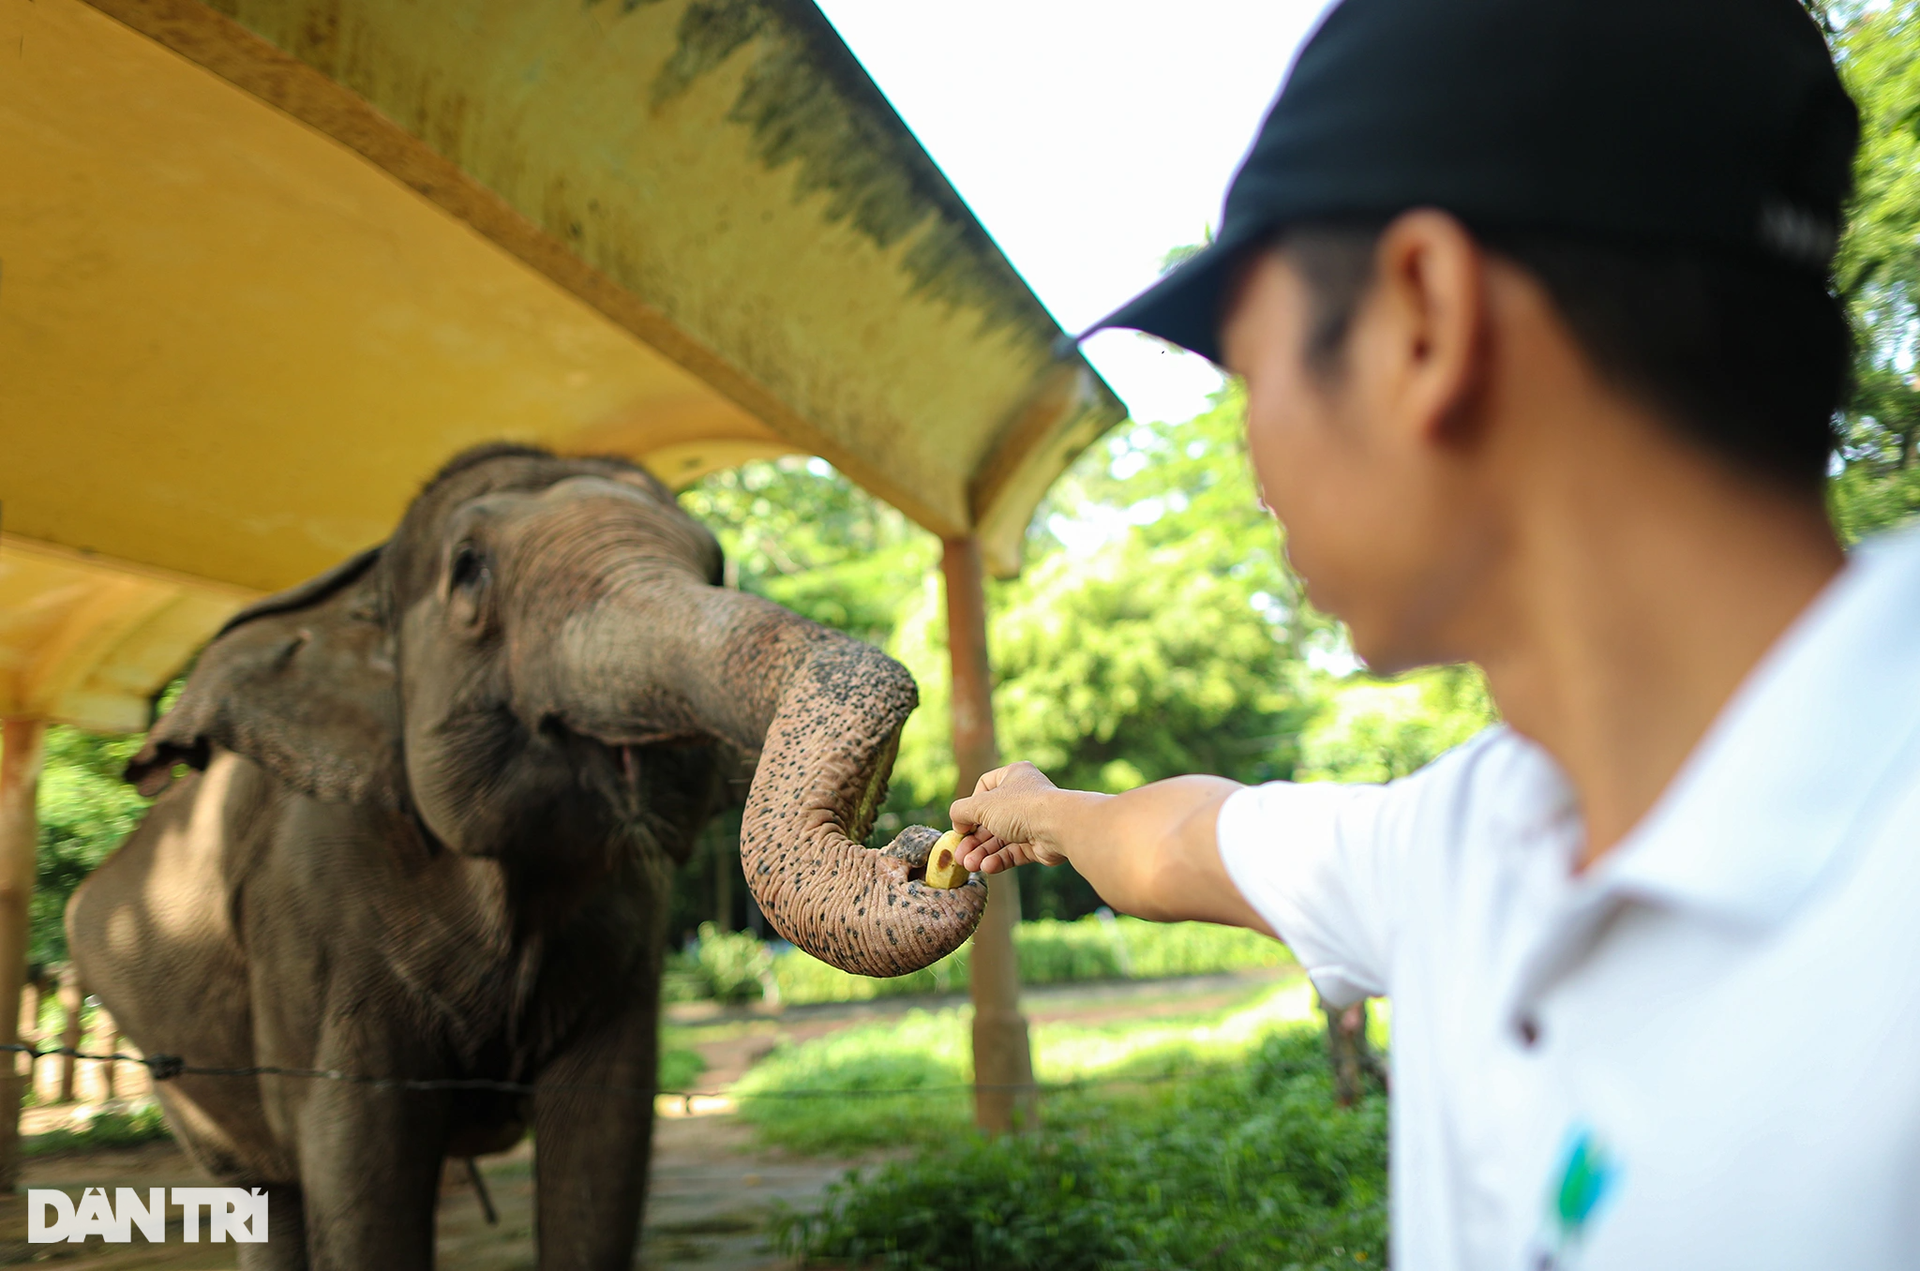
[169, 1067]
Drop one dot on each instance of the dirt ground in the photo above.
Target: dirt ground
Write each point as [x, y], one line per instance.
[713, 1188]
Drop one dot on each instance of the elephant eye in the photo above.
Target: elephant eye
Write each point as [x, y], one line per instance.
[467, 571]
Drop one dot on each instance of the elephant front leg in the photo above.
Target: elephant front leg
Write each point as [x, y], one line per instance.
[370, 1176]
[592, 1137]
[285, 1248]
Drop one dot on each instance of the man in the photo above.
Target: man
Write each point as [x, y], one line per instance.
[1529, 300]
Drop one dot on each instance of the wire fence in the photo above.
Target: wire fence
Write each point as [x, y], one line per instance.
[169, 1067]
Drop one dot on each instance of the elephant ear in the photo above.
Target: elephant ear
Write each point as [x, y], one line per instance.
[303, 684]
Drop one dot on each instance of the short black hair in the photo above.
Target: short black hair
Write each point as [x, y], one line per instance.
[1745, 357]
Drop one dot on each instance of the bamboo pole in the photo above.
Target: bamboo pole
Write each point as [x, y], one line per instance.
[22, 748]
[1004, 1097]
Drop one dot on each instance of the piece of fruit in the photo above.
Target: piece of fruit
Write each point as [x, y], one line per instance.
[944, 869]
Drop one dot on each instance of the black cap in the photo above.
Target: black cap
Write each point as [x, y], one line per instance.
[1716, 125]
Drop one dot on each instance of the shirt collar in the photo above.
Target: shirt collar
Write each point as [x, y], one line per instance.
[1768, 797]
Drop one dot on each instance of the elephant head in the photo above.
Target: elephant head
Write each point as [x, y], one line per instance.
[542, 666]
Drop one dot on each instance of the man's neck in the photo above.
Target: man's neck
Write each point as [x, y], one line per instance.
[1644, 588]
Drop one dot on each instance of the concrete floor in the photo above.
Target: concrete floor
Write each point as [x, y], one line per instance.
[710, 1198]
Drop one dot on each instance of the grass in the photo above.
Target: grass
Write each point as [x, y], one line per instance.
[142, 1124]
[903, 1081]
[823, 1097]
[680, 1066]
[1245, 1161]
[1206, 1140]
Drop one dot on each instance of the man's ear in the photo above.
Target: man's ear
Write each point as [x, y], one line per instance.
[1431, 280]
[303, 684]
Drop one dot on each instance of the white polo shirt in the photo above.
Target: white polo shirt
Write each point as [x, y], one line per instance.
[1703, 1053]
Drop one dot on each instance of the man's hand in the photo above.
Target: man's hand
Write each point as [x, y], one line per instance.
[1149, 852]
[1007, 820]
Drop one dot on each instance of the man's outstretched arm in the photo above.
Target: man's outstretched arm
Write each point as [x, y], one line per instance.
[1149, 852]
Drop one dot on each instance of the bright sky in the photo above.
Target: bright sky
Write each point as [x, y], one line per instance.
[1089, 137]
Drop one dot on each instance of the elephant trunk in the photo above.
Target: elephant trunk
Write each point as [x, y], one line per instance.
[679, 658]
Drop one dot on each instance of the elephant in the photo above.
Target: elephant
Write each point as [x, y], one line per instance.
[419, 820]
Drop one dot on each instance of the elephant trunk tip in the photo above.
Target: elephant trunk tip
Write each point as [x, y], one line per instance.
[820, 783]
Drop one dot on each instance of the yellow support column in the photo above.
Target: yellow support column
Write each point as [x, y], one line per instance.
[1004, 1094]
[22, 743]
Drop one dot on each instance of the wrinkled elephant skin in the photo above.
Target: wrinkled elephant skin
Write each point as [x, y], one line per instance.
[434, 803]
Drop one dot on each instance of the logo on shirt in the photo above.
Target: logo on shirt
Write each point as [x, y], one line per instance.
[1588, 1174]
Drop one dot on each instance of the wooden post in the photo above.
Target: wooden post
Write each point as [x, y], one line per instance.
[1004, 1097]
[22, 743]
[1349, 1052]
[73, 1003]
[725, 848]
[29, 1030]
[107, 1033]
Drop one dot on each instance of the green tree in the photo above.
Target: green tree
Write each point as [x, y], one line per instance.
[1878, 272]
[1156, 633]
[85, 812]
[1151, 632]
[798, 532]
[1378, 730]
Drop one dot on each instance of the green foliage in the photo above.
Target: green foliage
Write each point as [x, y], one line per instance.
[804, 979]
[1157, 950]
[1150, 635]
[142, 1124]
[1865, 497]
[729, 966]
[680, 1067]
[1379, 730]
[1878, 272]
[85, 812]
[798, 532]
[1248, 1165]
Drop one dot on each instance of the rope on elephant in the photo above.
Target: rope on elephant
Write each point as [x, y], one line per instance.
[168, 1067]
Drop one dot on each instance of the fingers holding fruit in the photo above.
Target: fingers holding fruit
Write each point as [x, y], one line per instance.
[990, 855]
[954, 858]
[1005, 820]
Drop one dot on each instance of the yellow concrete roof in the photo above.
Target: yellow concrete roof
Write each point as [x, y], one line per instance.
[90, 642]
[262, 269]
